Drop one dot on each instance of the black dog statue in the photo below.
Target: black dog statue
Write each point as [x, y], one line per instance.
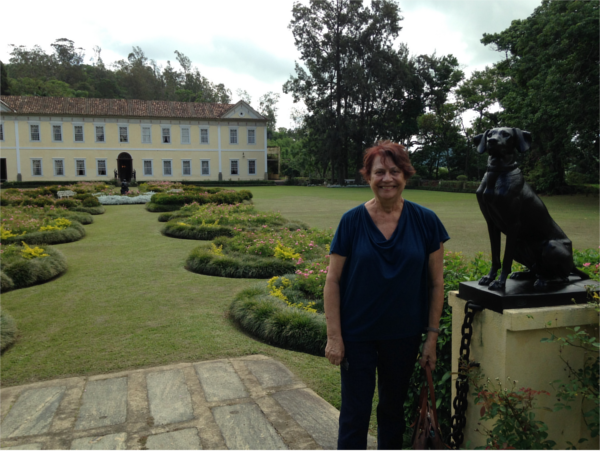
[509, 205]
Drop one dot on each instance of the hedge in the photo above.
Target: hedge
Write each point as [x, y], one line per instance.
[278, 324]
[157, 208]
[91, 210]
[8, 330]
[167, 216]
[202, 261]
[200, 232]
[79, 216]
[72, 233]
[24, 273]
[223, 197]
[230, 183]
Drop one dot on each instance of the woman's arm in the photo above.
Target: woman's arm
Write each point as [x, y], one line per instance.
[436, 305]
[334, 350]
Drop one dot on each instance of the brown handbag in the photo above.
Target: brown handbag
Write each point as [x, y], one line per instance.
[426, 433]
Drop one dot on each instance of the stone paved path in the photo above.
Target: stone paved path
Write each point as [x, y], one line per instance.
[251, 402]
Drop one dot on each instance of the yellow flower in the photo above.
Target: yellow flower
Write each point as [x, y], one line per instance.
[216, 250]
[29, 253]
[285, 253]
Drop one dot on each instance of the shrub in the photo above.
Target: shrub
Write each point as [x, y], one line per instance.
[462, 178]
[200, 232]
[72, 233]
[158, 208]
[82, 217]
[91, 210]
[20, 269]
[222, 197]
[67, 203]
[90, 201]
[8, 330]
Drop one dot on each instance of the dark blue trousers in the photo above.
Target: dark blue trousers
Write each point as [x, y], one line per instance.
[394, 361]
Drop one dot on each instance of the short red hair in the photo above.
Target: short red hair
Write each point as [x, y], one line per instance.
[387, 150]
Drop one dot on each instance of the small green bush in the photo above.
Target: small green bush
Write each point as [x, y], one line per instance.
[83, 218]
[221, 197]
[8, 330]
[158, 208]
[202, 261]
[200, 232]
[91, 202]
[462, 178]
[73, 233]
[167, 216]
[91, 210]
[6, 283]
[67, 203]
[18, 272]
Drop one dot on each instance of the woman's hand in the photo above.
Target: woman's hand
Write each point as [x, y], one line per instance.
[334, 351]
[429, 351]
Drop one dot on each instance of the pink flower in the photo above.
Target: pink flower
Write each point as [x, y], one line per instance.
[586, 264]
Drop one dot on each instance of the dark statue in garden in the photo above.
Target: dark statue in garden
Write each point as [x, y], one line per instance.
[133, 174]
[124, 187]
[116, 174]
[510, 206]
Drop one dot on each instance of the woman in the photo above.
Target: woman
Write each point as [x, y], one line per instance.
[384, 289]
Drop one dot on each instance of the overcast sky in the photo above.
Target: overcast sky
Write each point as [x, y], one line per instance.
[244, 44]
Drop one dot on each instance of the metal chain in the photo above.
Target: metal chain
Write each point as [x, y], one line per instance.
[459, 418]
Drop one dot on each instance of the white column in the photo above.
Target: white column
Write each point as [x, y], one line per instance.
[220, 165]
[19, 176]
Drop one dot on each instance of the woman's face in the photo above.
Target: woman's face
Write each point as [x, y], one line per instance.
[387, 180]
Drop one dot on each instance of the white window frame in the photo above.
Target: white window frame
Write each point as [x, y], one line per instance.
[84, 167]
[39, 127]
[41, 160]
[54, 160]
[164, 160]
[189, 133]
[207, 136]
[162, 130]
[1, 132]
[237, 135]
[255, 171]
[201, 173]
[151, 167]
[126, 127]
[183, 168]
[75, 125]
[231, 160]
[96, 132]
[149, 127]
[98, 160]
[52, 125]
[248, 130]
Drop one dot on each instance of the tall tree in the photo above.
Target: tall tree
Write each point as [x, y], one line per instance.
[549, 86]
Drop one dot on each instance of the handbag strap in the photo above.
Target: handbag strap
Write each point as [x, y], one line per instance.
[431, 392]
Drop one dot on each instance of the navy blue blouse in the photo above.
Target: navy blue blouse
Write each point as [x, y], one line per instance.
[384, 288]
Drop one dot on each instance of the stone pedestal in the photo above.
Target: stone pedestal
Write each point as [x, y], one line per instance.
[508, 345]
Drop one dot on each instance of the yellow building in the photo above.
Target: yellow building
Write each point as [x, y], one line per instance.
[54, 139]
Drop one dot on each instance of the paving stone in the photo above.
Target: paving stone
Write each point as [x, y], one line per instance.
[112, 441]
[219, 381]
[244, 426]
[170, 400]
[33, 412]
[314, 414]
[270, 373]
[183, 439]
[26, 446]
[104, 403]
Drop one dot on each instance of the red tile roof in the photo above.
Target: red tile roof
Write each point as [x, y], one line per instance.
[56, 106]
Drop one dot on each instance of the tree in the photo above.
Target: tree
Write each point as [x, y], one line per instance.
[549, 86]
[3, 80]
[268, 108]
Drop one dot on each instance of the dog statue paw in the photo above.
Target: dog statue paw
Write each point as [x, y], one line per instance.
[497, 285]
[522, 275]
[486, 280]
[540, 285]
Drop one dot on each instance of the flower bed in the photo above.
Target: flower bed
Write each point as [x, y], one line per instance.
[205, 197]
[163, 187]
[38, 225]
[125, 199]
[206, 222]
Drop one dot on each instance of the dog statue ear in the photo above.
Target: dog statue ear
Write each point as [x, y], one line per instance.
[523, 143]
[480, 141]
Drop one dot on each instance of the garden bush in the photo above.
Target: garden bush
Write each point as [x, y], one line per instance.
[200, 232]
[8, 330]
[221, 197]
[23, 266]
[91, 210]
[72, 232]
[79, 216]
[158, 208]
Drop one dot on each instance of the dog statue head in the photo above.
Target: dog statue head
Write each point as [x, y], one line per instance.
[499, 142]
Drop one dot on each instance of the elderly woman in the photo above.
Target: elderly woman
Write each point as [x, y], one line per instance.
[384, 289]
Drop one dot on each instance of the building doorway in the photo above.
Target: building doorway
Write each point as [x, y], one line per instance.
[3, 173]
[124, 166]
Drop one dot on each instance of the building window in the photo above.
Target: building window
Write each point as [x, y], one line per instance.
[57, 133]
[99, 133]
[205, 165]
[166, 135]
[233, 136]
[101, 167]
[147, 167]
[80, 168]
[167, 169]
[35, 132]
[78, 132]
[186, 167]
[36, 167]
[59, 167]
[1, 132]
[146, 135]
[185, 135]
[251, 167]
[204, 136]
[234, 167]
[251, 136]
[123, 134]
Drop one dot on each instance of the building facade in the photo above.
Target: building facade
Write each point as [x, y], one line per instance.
[54, 139]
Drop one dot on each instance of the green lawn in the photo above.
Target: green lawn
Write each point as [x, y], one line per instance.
[127, 302]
